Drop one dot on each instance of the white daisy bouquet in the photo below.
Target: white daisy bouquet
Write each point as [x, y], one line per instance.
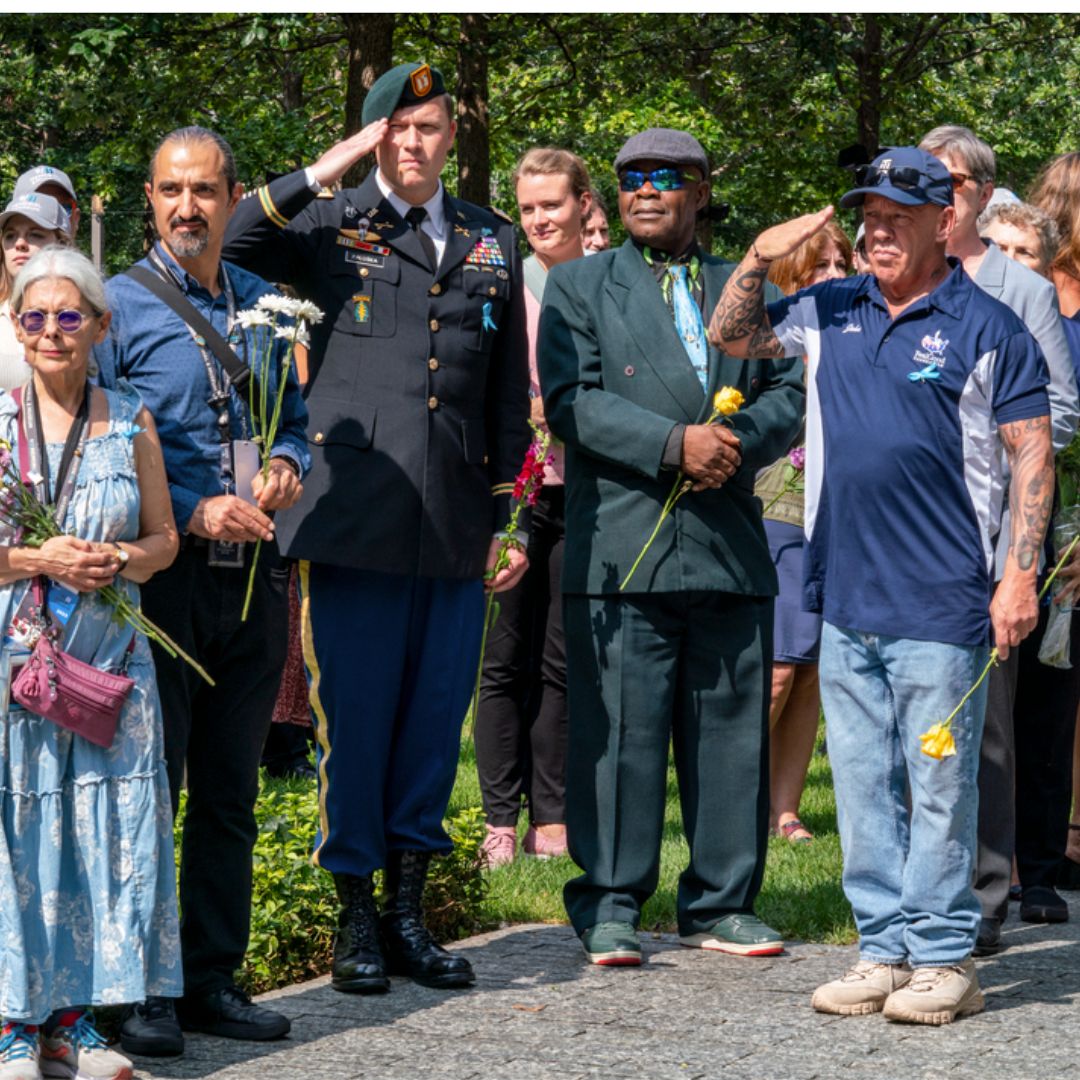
[266, 392]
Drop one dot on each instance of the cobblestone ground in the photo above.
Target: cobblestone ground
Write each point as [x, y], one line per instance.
[539, 1011]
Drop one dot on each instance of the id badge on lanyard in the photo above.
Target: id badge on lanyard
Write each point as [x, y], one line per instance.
[226, 553]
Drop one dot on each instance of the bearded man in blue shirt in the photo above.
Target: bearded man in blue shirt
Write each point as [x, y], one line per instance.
[213, 735]
[916, 379]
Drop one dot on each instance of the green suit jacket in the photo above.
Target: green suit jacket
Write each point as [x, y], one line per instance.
[616, 380]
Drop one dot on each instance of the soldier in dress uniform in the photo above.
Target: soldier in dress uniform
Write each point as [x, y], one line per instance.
[418, 401]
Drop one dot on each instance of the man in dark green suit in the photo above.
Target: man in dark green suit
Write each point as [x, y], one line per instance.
[682, 653]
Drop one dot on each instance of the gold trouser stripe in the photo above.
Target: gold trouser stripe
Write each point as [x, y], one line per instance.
[321, 733]
[271, 210]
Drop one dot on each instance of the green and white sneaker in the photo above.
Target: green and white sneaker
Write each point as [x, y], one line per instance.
[612, 944]
[741, 934]
[80, 1052]
[19, 1052]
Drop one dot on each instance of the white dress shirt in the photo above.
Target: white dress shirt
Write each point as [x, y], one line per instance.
[435, 222]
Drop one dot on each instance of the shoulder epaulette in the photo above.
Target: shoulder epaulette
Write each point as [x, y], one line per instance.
[501, 214]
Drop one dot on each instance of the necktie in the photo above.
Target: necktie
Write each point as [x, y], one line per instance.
[415, 218]
[689, 324]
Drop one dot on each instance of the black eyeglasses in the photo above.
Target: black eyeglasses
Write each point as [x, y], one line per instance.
[666, 179]
[69, 320]
[906, 178]
[959, 179]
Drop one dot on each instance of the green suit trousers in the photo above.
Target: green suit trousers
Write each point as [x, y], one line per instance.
[644, 672]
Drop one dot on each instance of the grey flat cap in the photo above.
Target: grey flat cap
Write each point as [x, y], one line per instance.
[663, 144]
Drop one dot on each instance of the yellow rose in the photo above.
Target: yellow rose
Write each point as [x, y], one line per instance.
[938, 742]
[727, 401]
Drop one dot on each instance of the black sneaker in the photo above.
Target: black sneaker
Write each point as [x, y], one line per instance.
[988, 942]
[1041, 904]
[151, 1029]
[228, 1012]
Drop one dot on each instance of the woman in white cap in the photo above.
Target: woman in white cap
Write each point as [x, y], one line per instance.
[29, 223]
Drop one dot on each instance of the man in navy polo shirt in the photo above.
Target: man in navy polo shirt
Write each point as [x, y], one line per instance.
[916, 379]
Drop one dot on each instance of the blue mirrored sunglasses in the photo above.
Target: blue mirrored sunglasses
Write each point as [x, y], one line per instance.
[666, 179]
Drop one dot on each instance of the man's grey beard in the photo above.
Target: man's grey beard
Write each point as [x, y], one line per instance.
[189, 245]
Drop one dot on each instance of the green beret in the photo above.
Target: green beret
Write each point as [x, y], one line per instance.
[403, 85]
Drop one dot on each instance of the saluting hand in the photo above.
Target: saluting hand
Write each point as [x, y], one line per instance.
[333, 165]
[783, 239]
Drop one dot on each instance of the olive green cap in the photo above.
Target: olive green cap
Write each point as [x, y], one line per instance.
[406, 84]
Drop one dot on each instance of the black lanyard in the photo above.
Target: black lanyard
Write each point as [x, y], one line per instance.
[38, 455]
[218, 378]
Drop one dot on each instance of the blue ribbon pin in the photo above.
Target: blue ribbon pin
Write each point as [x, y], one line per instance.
[929, 372]
[489, 322]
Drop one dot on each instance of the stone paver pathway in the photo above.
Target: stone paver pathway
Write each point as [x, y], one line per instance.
[539, 1011]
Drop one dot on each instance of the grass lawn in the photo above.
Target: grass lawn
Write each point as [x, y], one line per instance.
[801, 896]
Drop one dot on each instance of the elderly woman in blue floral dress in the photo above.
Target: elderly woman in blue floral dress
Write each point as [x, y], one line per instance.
[87, 879]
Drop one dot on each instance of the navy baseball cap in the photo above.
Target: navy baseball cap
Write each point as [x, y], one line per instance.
[905, 175]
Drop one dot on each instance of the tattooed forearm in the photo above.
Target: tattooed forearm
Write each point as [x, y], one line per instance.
[1031, 491]
[739, 324]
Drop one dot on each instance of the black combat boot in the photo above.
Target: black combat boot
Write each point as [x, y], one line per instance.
[410, 949]
[359, 967]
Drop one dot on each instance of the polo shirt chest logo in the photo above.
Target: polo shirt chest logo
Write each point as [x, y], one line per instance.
[931, 356]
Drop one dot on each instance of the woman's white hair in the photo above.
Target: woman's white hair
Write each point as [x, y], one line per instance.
[58, 261]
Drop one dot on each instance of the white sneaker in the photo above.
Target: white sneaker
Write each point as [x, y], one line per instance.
[864, 989]
[937, 995]
[80, 1052]
[19, 1052]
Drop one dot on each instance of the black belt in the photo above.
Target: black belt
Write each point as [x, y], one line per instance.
[189, 541]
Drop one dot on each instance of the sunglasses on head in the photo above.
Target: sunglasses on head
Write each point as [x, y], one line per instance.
[906, 178]
[69, 320]
[666, 179]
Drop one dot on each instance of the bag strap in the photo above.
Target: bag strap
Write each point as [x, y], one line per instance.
[239, 373]
[39, 583]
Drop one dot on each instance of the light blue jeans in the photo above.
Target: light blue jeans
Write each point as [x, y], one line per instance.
[908, 823]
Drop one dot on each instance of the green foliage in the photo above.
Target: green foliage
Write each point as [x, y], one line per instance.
[773, 98]
[294, 907]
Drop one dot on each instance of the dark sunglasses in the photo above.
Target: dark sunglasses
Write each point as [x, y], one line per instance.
[959, 179]
[906, 178]
[69, 320]
[666, 179]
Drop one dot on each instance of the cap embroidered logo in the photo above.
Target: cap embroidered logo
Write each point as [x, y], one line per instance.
[421, 81]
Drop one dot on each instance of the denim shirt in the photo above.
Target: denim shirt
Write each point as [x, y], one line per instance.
[151, 347]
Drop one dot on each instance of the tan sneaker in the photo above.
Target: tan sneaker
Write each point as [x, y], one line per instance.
[937, 995]
[862, 990]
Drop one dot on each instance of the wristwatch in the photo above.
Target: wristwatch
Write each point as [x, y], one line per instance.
[122, 557]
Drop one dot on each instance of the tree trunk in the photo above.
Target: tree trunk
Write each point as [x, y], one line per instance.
[869, 60]
[370, 41]
[473, 145]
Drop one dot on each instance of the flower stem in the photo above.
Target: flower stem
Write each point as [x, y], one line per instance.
[251, 579]
[947, 723]
[680, 488]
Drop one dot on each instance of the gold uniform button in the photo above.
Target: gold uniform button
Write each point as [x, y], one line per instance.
[364, 271]
[433, 364]
[435, 289]
[493, 291]
[433, 402]
[434, 324]
[319, 436]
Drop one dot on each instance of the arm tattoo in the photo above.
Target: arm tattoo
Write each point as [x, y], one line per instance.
[1031, 491]
[740, 318]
